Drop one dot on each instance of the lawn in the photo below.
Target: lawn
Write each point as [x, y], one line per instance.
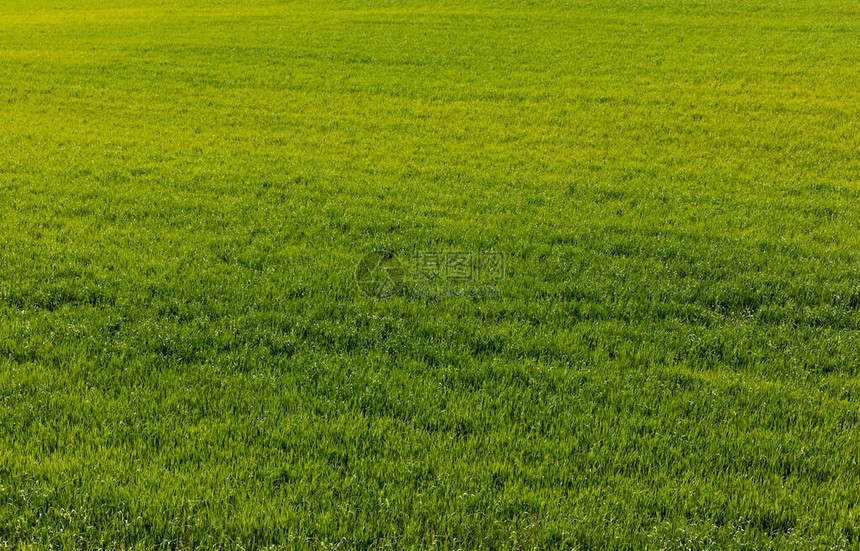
[656, 345]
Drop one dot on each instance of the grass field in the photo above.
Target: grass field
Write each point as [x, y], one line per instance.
[671, 358]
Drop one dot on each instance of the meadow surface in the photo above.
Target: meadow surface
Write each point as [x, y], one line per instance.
[186, 189]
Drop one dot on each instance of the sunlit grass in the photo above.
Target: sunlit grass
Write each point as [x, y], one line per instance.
[186, 190]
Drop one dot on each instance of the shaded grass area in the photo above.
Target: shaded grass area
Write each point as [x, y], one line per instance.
[186, 362]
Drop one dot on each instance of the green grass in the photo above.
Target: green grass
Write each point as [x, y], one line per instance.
[186, 190]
